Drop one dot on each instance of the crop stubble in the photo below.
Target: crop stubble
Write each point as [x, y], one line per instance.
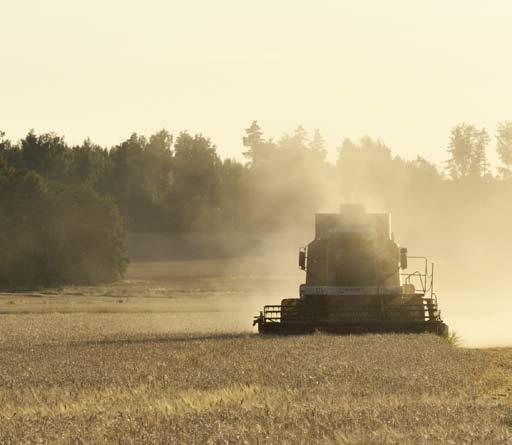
[146, 376]
[236, 388]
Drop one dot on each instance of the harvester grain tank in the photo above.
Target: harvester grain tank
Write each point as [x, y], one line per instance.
[358, 280]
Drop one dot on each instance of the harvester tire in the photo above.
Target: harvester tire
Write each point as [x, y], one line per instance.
[290, 310]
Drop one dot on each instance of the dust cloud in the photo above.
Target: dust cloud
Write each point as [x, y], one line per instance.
[461, 222]
[472, 264]
[207, 293]
[224, 294]
[469, 240]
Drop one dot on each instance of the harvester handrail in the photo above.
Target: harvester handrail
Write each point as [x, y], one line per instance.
[418, 274]
[426, 277]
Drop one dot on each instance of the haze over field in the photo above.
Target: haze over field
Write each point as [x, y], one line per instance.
[405, 72]
[399, 70]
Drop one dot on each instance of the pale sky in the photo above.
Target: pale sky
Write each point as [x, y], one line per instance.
[403, 71]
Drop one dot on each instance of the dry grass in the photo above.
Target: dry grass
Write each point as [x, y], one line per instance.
[496, 380]
[139, 376]
[236, 389]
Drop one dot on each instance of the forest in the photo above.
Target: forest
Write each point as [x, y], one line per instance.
[64, 205]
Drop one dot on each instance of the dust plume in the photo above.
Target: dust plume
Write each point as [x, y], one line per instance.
[460, 221]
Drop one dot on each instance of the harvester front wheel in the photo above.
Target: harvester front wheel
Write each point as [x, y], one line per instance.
[443, 330]
[290, 310]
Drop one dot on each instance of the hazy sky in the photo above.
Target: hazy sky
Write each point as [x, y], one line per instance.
[403, 71]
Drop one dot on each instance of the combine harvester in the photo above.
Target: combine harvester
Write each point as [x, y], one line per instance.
[354, 282]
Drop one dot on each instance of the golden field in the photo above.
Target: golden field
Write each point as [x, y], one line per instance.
[168, 356]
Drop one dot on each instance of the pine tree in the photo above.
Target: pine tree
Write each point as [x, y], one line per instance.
[253, 139]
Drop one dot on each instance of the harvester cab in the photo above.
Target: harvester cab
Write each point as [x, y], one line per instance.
[357, 281]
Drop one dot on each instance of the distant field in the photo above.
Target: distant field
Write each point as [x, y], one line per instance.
[169, 356]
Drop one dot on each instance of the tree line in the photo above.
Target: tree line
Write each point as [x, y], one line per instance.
[51, 233]
[56, 198]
